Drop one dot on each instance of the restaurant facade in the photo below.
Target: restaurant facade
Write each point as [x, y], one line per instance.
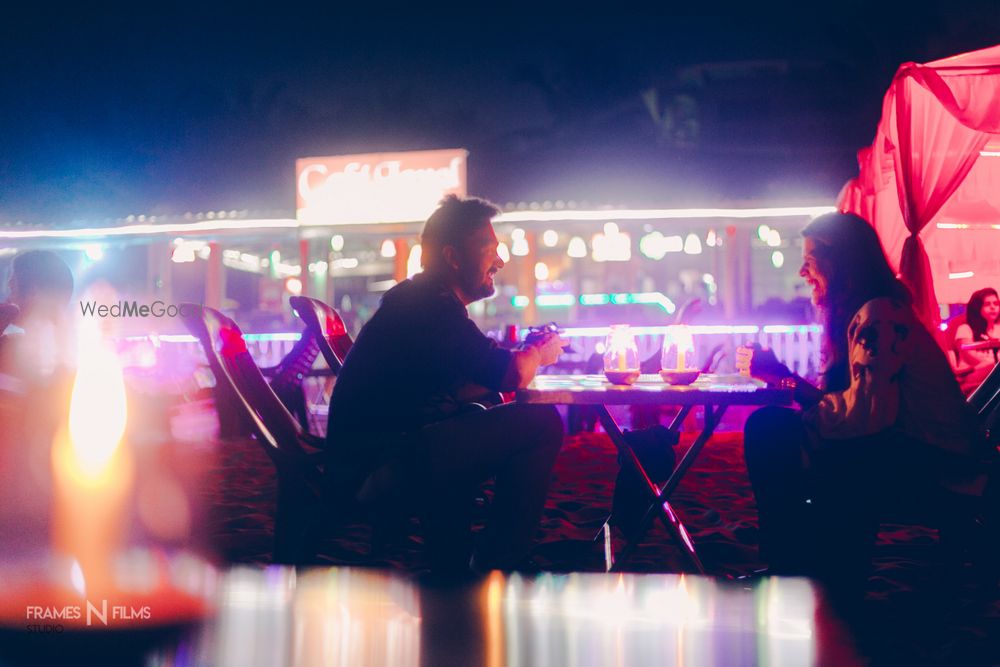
[355, 233]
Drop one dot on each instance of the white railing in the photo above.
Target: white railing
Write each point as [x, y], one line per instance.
[797, 345]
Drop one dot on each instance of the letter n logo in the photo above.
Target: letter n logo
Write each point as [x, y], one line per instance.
[102, 615]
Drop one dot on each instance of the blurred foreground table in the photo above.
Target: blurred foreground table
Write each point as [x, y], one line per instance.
[343, 616]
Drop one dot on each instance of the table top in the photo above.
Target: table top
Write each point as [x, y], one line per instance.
[708, 389]
[993, 344]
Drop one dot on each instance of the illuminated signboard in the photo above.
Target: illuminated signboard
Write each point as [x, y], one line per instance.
[376, 187]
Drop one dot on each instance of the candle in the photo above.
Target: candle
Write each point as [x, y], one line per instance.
[680, 359]
[92, 469]
[622, 360]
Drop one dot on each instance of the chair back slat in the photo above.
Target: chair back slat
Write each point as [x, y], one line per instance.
[986, 392]
[327, 326]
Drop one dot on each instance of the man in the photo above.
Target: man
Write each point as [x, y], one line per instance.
[400, 426]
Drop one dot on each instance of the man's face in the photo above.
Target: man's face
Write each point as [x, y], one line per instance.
[812, 272]
[478, 262]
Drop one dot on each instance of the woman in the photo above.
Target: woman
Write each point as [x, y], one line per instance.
[982, 317]
[888, 416]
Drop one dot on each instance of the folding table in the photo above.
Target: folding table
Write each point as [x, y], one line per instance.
[712, 391]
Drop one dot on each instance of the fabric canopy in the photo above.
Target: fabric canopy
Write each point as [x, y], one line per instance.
[930, 182]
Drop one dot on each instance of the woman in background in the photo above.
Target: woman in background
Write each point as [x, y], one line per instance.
[982, 323]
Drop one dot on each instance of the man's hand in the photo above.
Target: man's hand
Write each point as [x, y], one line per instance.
[761, 363]
[542, 351]
[549, 348]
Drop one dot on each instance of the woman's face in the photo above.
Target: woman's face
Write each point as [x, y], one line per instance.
[991, 309]
[812, 272]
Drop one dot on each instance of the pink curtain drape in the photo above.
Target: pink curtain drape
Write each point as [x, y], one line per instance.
[936, 119]
[935, 153]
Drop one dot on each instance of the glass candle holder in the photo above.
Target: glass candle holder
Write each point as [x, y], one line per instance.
[621, 355]
[679, 362]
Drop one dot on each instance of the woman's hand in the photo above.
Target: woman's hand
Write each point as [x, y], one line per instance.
[760, 362]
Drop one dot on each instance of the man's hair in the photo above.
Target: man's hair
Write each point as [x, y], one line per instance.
[42, 271]
[454, 220]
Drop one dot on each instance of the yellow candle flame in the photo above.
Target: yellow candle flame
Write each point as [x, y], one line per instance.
[97, 411]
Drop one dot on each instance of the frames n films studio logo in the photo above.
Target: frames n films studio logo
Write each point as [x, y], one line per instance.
[54, 620]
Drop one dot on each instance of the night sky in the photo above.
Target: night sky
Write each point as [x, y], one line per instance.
[125, 110]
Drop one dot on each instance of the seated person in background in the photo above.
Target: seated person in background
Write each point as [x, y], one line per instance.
[34, 391]
[982, 323]
[398, 424]
[39, 291]
[890, 417]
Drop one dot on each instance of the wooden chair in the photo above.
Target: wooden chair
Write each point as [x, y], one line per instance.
[326, 327]
[296, 455]
[968, 525]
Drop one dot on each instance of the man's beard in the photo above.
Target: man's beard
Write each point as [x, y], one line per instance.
[477, 288]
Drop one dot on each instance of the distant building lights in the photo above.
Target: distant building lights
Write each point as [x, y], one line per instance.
[975, 225]
[294, 286]
[664, 214]
[519, 245]
[712, 239]
[148, 229]
[774, 238]
[550, 238]
[94, 252]
[960, 275]
[541, 271]
[184, 251]
[652, 246]
[698, 329]
[577, 248]
[611, 246]
[555, 300]
[503, 252]
[520, 301]
[346, 263]
[762, 232]
[777, 259]
[569, 214]
[594, 299]
[692, 244]
[619, 299]
[626, 298]
[285, 269]
[413, 261]
[388, 249]
[336, 243]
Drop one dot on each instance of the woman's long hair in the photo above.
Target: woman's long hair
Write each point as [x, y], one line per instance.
[974, 313]
[850, 256]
